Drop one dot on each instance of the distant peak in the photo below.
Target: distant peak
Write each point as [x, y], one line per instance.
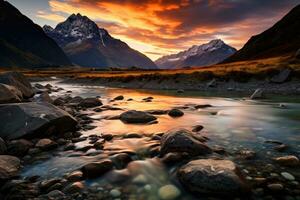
[76, 16]
[216, 41]
[46, 27]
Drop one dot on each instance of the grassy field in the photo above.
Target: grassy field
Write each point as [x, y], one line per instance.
[239, 71]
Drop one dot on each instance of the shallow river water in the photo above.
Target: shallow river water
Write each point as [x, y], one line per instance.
[233, 123]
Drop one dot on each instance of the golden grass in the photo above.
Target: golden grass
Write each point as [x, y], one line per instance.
[253, 67]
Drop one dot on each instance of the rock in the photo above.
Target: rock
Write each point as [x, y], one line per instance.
[119, 98]
[115, 193]
[46, 184]
[75, 100]
[140, 179]
[73, 188]
[182, 140]
[49, 86]
[55, 194]
[288, 176]
[3, 147]
[180, 91]
[282, 77]
[96, 169]
[9, 94]
[39, 86]
[212, 83]
[121, 160]
[33, 119]
[132, 135]
[44, 97]
[19, 81]
[9, 167]
[197, 128]
[258, 94]
[136, 117]
[175, 113]
[247, 154]
[90, 103]
[168, 192]
[275, 187]
[289, 161]
[201, 106]
[75, 176]
[157, 112]
[212, 177]
[281, 147]
[19, 148]
[59, 101]
[46, 144]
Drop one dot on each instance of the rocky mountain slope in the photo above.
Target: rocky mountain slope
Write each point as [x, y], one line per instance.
[203, 55]
[88, 45]
[23, 43]
[281, 39]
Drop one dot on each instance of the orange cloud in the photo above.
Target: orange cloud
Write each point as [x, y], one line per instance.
[158, 27]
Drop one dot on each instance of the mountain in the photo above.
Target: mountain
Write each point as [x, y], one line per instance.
[203, 55]
[281, 39]
[23, 43]
[88, 45]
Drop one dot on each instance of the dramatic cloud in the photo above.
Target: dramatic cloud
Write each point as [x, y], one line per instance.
[158, 27]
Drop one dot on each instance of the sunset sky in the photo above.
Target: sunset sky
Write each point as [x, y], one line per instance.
[160, 27]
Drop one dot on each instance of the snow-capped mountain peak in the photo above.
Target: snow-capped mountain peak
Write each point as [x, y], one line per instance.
[198, 54]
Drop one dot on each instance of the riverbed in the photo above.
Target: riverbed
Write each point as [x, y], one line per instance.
[234, 124]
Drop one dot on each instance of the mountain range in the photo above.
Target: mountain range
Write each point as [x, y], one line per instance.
[24, 44]
[281, 39]
[203, 55]
[90, 46]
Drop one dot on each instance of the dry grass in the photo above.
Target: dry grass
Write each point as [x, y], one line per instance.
[241, 71]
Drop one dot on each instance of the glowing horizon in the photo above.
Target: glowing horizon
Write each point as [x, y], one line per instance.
[161, 27]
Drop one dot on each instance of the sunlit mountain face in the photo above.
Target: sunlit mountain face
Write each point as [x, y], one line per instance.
[162, 27]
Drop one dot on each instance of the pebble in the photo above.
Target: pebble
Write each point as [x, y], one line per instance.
[140, 179]
[168, 192]
[275, 187]
[115, 193]
[288, 176]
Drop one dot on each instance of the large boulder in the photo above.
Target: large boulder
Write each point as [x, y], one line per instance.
[33, 119]
[136, 117]
[9, 94]
[9, 167]
[181, 141]
[19, 148]
[212, 177]
[19, 81]
[282, 77]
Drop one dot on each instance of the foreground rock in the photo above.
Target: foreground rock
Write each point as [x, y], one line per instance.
[181, 141]
[9, 94]
[212, 177]
[9, 167]
[136, 117]
[289, 161]
[96, 169]
[19, 81]
[33, 119]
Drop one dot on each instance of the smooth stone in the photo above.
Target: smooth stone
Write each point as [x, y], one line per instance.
[181, 141]
[33, 119]
[175, 113]
[275, 187]
[168, 192]
[119, 98]
[9, 167]
[290, 161]
[44, 185]
[90, 103]
[73, 188]
[197, 128]
[140, 179]
[19, 148]
[212, 177]
[287, 176]
[121, 160]
[46, 144]
[75, 176]
[96, 169]
[115, 193]
[132, 135]
[55, 194]
[136, 117]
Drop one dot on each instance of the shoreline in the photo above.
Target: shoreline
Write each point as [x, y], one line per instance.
[287, 89]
